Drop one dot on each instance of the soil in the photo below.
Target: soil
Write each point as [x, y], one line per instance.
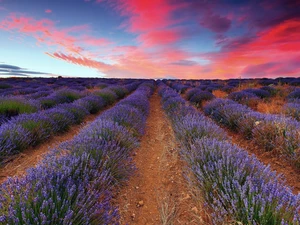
[18, 164]
[157, 193]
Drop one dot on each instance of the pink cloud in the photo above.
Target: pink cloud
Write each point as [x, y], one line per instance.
[152, 20]
[48, 11]
[83, 61]
[161, 37]
[92, 41]
[258, 55]
[46, 32]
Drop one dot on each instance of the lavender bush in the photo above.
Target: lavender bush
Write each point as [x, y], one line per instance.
[292, 109]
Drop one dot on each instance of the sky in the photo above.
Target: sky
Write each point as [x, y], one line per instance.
[173, 39]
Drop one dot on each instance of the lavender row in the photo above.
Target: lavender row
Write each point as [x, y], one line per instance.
[270, 132]
[17, 105]
[28, 130]
[73, 184]
[32, 87]
[236, 187]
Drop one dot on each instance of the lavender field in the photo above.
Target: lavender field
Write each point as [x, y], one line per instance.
[222, 151]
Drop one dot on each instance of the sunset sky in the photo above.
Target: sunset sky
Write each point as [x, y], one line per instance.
[193, 39]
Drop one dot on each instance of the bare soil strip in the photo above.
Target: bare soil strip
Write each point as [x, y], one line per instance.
[30, 157]
[157, 193]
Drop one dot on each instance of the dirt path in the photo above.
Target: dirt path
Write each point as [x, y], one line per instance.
[30, 157]
[157, 192]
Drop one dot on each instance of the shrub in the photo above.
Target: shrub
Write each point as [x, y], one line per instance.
[66, 96]
[199, 97]
[237, 187]
[10, 107]
[245, 98]
[292, 109]
[119, 90]
[132, 119]
[5, 86]
[191, 92]
[247, 122]
[91, 103]
[111, 131]
[37, 125]
[273, 91]
[62, 192]
[241, 96]
[258, 92]
[108, 96]
[78, 112]
[193, 126]
[294, 94]
[13, 138]
[61, 119]
[278, 133]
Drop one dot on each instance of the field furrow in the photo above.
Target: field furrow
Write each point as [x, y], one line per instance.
[157, 193]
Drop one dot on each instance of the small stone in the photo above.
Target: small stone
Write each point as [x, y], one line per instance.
[157, 157]
[195, 210]
[140, 203]
[136, 187]
[132, 216]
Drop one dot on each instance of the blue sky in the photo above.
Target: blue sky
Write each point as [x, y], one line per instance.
[151, 39]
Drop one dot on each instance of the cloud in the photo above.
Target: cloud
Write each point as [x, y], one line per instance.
[272, 69]
[14, 74]
[162, 30]
[9, 67]
[11, 70]
[48, 11]
[184, 62]
[81, 61]
[46, 32]
[154, 22]
[215, 23]
[258, 55]
[92, 41]
[161, 37]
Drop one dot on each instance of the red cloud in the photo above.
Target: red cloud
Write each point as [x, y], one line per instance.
[81, 61]
[152, 20]
[161, 37]
[48, 11]
[258, 56]
[147, 15]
